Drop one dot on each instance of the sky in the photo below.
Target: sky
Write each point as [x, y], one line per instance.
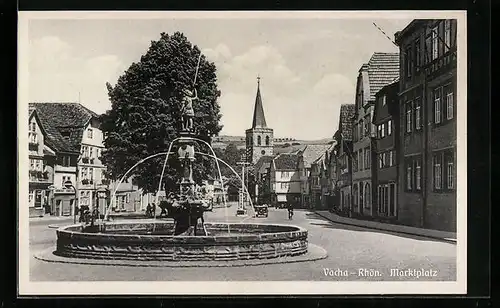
[308, 67]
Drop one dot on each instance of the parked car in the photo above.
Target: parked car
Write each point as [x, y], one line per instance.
[261, 210]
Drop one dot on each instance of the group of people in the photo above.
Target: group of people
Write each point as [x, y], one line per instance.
[86, 216]
[151, 210]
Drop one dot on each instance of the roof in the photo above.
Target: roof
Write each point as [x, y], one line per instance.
[263, 163]
[383, 68]
[346, 120]
[259, 120]
[286, 161]
[312, 151]
[60, 118]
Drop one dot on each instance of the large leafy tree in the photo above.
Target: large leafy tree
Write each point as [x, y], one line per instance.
[146, 112]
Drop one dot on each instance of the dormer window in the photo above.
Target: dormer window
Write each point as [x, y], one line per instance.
[90, 133]
[66, 135]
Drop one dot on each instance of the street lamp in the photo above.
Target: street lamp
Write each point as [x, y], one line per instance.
[68, 184]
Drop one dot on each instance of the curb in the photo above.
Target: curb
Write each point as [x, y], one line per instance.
[446, 240]
[314, 253]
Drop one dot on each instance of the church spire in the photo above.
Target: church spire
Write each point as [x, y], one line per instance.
[259, 120]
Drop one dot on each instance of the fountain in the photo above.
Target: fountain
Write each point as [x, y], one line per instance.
[188, 237]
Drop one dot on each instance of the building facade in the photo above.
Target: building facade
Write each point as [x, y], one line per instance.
[381, 69]
[259, 138]
[386, 148]
[41, 167]
[307, 156]
[345, 156]
[285, 179]
[427, 88]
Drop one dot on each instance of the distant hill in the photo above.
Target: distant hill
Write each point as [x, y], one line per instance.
[281, 145]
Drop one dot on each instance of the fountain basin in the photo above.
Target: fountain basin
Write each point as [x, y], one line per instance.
[126, 240]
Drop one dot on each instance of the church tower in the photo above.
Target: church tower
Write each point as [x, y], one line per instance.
[259, 138]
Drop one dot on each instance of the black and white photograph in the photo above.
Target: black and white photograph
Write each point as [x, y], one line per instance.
[245, 153]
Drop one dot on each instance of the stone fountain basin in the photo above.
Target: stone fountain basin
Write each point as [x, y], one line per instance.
[126, 240]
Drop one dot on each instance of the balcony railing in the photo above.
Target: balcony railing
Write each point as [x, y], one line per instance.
[444, 62]
[37, 175]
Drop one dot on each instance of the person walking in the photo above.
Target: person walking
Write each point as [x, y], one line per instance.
[290, 211]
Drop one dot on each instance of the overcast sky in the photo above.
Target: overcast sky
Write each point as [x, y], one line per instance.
[308, 67]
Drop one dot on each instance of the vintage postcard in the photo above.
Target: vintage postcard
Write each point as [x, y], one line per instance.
[175, 153]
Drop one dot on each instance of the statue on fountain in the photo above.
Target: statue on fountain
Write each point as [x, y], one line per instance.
[187, 109]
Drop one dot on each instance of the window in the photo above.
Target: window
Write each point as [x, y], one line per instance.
[417, 53]
[447, 35]
[32, 127]
[360, 159]
[285, 185]
[408, 117]
[367, 196]
[90, 133]
[382, 130]
[391, 158]
[367, 158]
[437, 105]
[418, 175]
[449, 105]
[267, 140]
[91, 174]
[32, 164]
[438, 171]
[381, 160]
[31, 196]
[91, 152]
[379, 133]
[361, 135]
[259, 140]
[66, 161]
[355, 163]
[389, 127]
[450, 170]
[408, 61]
[383, 100]
[435, 42]
[418, 114]
[409, 176]
[428, 49]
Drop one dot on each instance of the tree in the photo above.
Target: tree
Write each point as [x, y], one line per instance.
[146, 113]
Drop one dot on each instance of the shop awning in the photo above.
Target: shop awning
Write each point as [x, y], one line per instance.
[281, 198]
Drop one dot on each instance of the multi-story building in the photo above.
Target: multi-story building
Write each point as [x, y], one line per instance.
[75, 135]
[331, 182]
[307, 156]
[385, 152]
[41, 168]
[319, 181]
[259, 138]
[262, 179]
[427, 181]
[381, 69]
[345, 155]
[52, 164]
[285, 179]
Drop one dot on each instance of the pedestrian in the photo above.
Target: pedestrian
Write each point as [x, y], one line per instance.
[290, 211]
[148, 210]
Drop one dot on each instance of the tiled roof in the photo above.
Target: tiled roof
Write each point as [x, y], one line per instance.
[263, 163]
[383, 68]
[65, 114]
[63, 118]
[346, 120]
[286, 161]
[312, 152]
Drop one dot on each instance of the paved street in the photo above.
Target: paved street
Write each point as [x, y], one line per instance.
[350, 250]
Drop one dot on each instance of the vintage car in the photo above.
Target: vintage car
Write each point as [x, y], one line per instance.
[261, 210]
